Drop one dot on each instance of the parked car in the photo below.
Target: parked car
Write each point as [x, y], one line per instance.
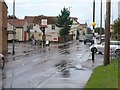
[114, 47]
[97, 36]
[102, 38]
[88, 39]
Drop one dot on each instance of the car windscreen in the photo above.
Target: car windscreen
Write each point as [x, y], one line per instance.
[89, 36]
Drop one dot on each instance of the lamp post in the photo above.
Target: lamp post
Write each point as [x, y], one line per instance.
[43, 26]
[93, 16]
[13, 52]
[43, 36]
[107, 33]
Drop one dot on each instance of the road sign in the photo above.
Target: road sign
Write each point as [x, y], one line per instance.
[44, 23]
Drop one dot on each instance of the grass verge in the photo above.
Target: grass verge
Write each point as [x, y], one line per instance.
[105, 76]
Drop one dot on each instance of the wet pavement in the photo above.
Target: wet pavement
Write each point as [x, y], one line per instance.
[0, 79]
[56, 66]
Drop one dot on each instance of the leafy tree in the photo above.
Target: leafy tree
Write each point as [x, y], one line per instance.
[88, 31]
[116, 26]
[97, 30]
[116, 29]
[11, 17]
[64, 22]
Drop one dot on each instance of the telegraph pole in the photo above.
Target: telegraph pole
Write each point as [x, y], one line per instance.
[13, 52]
[107, 33]
[100, 21]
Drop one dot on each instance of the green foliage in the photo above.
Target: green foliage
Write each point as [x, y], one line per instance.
[64, 22]
[116, 29]
[97, 30]
[116, 37]
[105, 76]
[11, 17]
[116, 26]
[89, 31]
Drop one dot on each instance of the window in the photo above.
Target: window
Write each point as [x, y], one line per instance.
[53, 26]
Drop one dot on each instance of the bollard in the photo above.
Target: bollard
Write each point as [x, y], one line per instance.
[93, 53]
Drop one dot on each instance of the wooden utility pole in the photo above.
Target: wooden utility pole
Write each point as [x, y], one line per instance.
[107, 33]
[100, 21]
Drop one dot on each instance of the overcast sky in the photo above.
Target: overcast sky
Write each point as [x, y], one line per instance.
[82, 9]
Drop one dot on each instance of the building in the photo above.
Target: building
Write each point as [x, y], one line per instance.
[52, 31]
[31, 26]
[3, 27]
[83, 28]
[20, 26]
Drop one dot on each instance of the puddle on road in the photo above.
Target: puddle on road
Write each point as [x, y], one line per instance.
[63, 68]
[14, 58]
[64, 46]
[65, 52]
[66, 73]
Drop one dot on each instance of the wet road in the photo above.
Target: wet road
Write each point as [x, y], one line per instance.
[51, 67]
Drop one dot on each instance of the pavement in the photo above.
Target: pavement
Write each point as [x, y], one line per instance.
[25, 48]
[22, 50]
[0, 79]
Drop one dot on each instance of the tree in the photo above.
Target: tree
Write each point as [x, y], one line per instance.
[116, 29]
[64, 22]
[116, 26]
[97, 30]
[11, 17]
[88, 31]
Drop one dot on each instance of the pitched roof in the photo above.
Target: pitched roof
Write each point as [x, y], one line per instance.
[84, 25]
[50, 19]
[29, 19]
[16, 22]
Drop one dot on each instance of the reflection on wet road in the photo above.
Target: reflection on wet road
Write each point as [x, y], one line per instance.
[50, 67]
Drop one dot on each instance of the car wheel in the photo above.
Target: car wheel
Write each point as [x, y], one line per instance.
[94, 49]
[92, 43]
[117, 51]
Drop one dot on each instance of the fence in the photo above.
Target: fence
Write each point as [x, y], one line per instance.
[65, 39]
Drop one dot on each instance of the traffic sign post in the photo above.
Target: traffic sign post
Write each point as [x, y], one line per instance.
[43, 26]
[93, 24]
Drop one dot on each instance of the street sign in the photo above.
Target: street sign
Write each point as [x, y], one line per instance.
[44, 23]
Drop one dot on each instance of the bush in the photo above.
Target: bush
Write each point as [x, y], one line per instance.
[116, 37]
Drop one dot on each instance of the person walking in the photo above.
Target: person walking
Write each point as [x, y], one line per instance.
[2, 61]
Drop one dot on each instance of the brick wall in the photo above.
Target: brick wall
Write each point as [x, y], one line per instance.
[68, 38]
[3, 28]
[0, 27]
